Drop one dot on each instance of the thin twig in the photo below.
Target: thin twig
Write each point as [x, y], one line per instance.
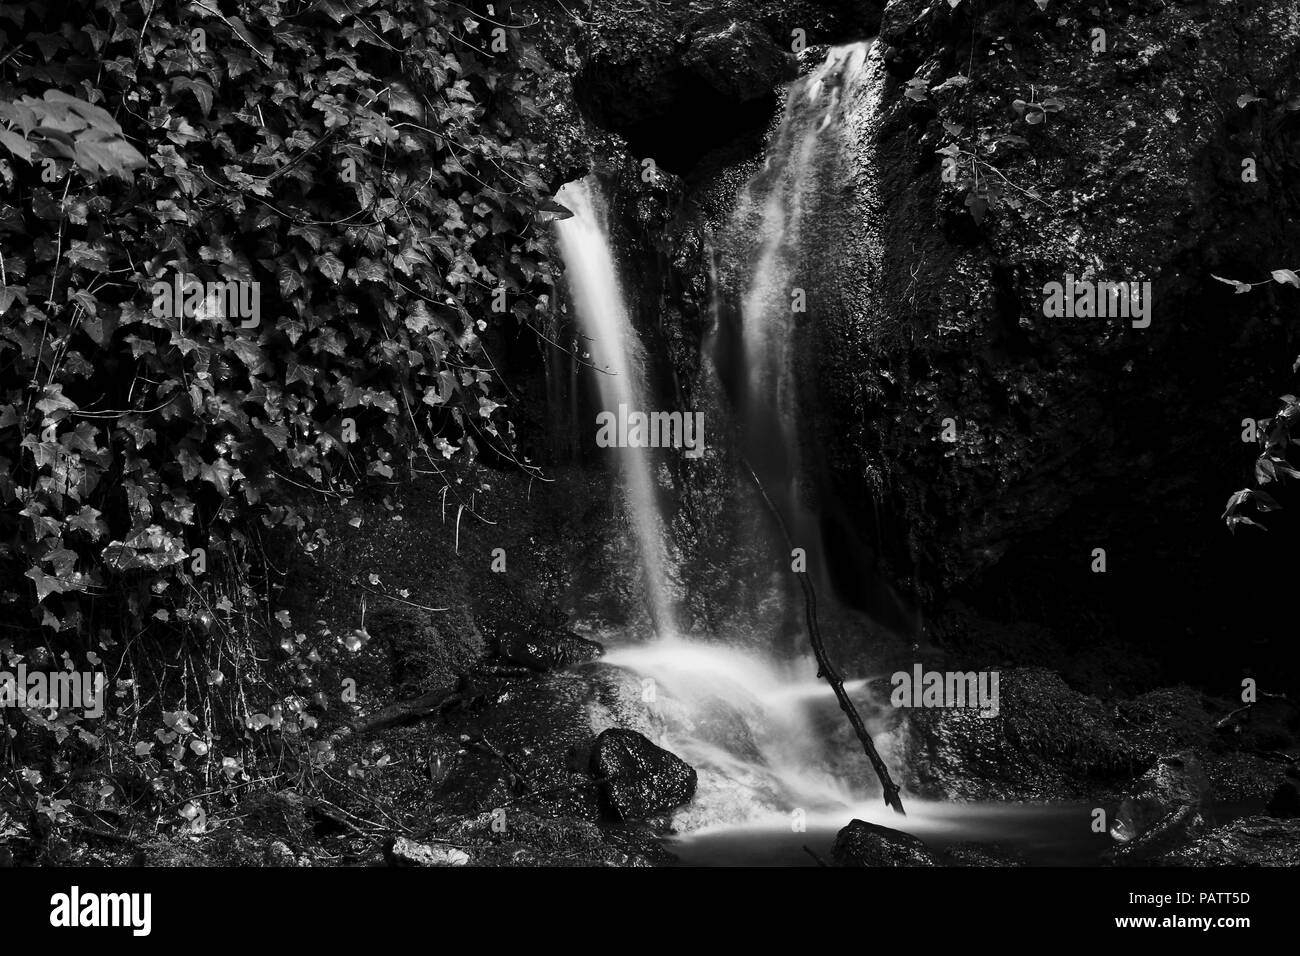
[824, 666]
[219, 15]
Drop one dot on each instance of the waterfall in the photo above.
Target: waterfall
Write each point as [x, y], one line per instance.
[618, 365]
[763, 733]
[789, 201]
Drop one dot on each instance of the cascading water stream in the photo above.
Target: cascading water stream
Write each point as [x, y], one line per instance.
[775, 214]
[755, 729]
[619, 363]
[759, 728]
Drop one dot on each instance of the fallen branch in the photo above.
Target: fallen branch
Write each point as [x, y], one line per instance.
[402, 712]
[824, 666]
[104, 834]
[1230, 719]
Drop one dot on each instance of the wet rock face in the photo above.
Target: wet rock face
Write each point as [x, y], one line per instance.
[1250, 841]
[1162, 811]
[1047, 742]
[637, 778]
[1285, 802]
[867, 844]
[1063, 439]
[677, 81]
[1175, 782]
[1050, 742]
[683, 99]
[1172, 831]
[739, 61]
[544, 649]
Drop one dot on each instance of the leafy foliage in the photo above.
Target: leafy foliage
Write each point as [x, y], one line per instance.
[356, 165]
[62, 126]
[1275, 438]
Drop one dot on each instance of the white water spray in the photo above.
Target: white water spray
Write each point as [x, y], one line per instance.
[755, 729]
[778, 216]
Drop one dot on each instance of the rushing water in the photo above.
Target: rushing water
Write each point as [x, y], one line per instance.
[778, 772]
[776, 214]
[618, 364]
[754, 725]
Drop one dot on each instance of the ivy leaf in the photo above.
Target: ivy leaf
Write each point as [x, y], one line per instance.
[219, 474]
[401, 100]
[277, 432]
[46, 584]
[53, 400]
[368, 270]
[1237, 287]
[107, 156]
[419, 319]
[249, 353]
[247, 36]
[330, 266]
[16, 144]
[88, 520]
[201, 89]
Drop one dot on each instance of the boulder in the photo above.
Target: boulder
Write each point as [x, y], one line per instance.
[1047, 742]
[739, 60]
[1174, 830]
[1250, 841]
[637, 778]
[1174, 783]
[545, 649]
[868, 844]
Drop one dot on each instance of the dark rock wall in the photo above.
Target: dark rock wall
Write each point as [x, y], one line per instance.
[1075, 434]
[1072, 434]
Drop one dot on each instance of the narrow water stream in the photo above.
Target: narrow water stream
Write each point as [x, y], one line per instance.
[1029, 834]
[617, 364]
